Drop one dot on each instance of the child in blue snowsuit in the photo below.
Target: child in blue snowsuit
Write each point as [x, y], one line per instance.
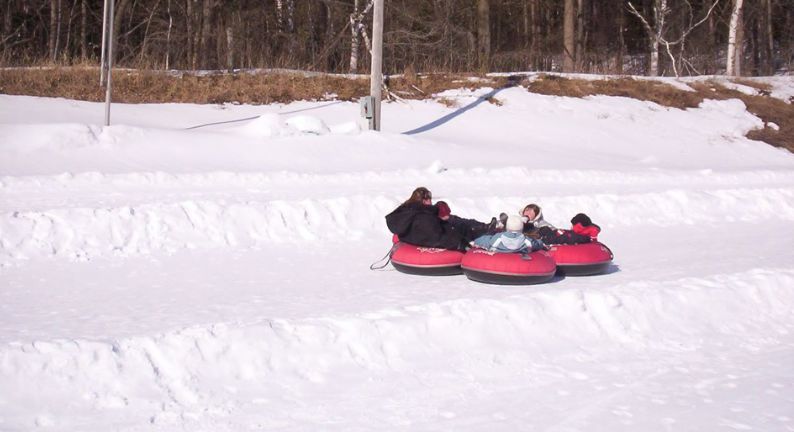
[512, 240]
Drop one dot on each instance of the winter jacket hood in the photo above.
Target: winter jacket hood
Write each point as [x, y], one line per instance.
[537, 222]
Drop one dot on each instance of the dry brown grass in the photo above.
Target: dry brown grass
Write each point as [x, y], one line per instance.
[130, 86]
[413, 86]
[81, 83]
[653, 91]
[154, 87]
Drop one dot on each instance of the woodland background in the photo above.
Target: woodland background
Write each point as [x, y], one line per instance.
[652, 37]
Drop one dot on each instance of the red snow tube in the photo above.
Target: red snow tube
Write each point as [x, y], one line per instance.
[426, 261]
[508, 268]
[582, 259]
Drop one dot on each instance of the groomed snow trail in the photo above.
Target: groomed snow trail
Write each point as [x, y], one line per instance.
[155, 278]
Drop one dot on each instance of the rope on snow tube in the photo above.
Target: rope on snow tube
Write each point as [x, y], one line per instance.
[387, 257]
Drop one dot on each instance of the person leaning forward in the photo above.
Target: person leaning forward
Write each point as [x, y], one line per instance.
[416, 222]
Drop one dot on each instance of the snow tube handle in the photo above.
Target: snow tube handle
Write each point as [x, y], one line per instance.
[387, 257]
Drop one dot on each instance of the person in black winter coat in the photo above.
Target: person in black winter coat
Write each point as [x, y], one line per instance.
[416, 222]
[470, 229]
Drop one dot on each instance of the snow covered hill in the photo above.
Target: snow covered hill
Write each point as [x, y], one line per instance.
[206, 268]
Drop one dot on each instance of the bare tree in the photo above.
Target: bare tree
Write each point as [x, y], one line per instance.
[84, 30]
[768, 37]
[437, 35]
[168, 36]
[569, 37]
[484, 34]
[206, 27]
[657, 33]
[620, 18]
[734, 63]
[581, 34]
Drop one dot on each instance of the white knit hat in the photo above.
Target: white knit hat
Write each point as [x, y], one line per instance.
[514, 223]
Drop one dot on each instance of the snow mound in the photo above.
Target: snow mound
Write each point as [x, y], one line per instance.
[205, 372]
[308, 124]
[81, 233]
[265, 126]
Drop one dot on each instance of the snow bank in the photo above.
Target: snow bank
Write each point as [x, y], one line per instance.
[202, 368]
[435, 173]
[81, 233]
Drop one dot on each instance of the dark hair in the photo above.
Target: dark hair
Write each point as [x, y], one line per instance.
[535, 208]
[582, 219]
[418, 195]
[443, 209]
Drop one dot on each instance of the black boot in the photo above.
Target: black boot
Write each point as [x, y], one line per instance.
[503, 219]
[494, 227]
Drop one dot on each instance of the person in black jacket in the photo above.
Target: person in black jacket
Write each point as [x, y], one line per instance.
[416, 222]
[470, 229]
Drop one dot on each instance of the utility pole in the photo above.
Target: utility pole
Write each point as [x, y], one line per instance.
[107, 56]
[376, 77]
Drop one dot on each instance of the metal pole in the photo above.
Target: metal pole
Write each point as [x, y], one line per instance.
[110, 64]
[376, 78]
[104, 42]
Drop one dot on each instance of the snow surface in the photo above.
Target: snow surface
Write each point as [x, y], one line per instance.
[206, 268]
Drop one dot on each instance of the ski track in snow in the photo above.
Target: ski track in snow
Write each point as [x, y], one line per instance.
[154, 279]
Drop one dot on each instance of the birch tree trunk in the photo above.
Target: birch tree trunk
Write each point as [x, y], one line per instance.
[168, 37]
[285, 10]
[569, 36]
[290, 16]
[280, 15]
[484, 34]
[659, 12]
[229, 47]
[740, 38]
[733, 66]
[354, 39]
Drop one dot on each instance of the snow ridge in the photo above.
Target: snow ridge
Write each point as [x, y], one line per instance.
[83, 233]
[435, 172]
[200, 367]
